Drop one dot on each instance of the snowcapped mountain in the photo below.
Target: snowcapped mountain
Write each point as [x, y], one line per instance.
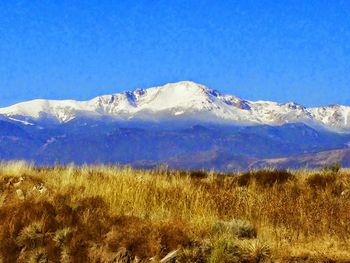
[178, 124]
[179, 101]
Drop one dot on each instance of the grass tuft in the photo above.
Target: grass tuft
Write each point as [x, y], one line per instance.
[236, 228]
[254, 251]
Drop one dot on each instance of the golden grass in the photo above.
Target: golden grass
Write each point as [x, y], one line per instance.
[105, 213]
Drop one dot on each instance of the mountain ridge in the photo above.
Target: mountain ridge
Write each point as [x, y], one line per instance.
[180, 101]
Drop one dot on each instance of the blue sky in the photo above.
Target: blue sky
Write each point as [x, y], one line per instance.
[275, 50]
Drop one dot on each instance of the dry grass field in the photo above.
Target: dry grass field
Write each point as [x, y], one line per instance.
[119, 214]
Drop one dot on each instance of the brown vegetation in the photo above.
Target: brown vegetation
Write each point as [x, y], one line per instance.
[115, 214]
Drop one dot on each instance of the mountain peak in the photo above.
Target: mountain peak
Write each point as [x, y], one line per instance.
[185, 83]
[183, 86]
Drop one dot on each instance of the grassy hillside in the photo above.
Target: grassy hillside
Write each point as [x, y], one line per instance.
[115, 214]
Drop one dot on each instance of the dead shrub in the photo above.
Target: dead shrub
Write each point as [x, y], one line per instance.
[198, 174]
[93, 215]
[194, 174]
[265, 178]
[77, 248]
[25, 225]
[21, 214]
[139, 238]
[321, 181]
[173, 235]
[144, 239]
[334, 168]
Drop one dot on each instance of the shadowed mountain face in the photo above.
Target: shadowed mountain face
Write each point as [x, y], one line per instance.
[147, 145]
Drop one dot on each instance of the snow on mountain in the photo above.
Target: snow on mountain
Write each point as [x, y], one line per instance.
[335, 116]
[182, 100]
[61, 110]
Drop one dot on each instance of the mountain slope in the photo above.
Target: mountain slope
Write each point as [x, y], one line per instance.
[314, 160]
[182, 101]
[216, 147]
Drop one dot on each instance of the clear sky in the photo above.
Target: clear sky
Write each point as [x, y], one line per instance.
[277, 50]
